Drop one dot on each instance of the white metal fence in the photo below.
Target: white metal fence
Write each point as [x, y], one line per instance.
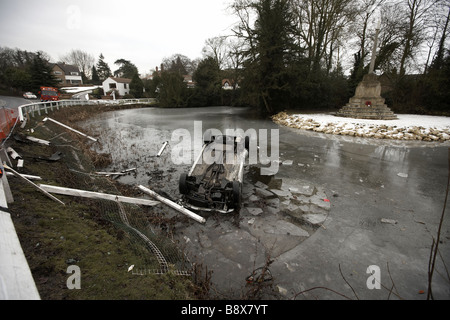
[39, 107]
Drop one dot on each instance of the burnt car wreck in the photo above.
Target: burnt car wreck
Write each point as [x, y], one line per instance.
[214, 183]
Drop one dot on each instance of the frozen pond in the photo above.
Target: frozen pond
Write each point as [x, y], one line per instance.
[325, 209]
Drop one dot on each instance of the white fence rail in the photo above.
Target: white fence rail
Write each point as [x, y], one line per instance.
[39, 107]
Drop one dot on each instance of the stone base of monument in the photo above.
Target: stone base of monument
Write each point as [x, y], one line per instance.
[367, 102]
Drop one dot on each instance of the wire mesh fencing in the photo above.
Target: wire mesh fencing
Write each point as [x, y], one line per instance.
[156, 252]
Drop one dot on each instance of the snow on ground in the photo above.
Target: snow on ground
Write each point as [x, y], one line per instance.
[79, 89]
[406, 127]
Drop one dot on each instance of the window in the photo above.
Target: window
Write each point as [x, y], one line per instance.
[125, 86]
[112, 86]
[57, 72]
[74, 73]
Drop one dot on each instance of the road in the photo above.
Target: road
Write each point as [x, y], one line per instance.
[14, 102]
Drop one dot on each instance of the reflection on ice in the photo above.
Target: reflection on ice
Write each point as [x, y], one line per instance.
[390, 153]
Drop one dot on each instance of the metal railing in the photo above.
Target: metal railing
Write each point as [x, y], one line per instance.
[40, 107]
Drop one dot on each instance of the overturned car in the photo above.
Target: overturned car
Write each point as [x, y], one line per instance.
[214, 183]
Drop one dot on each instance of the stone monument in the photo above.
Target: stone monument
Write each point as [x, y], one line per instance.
[367, 102]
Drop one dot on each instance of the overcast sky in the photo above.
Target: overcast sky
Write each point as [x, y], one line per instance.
[143, 32]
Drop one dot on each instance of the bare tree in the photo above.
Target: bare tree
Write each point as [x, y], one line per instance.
[83, 60]
[179, 63]
[217, 49]
[366, 16]
[415, 13]
[321, 26]
[439, 29]
[244, 10]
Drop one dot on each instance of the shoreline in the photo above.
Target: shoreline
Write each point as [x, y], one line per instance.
[406, 127]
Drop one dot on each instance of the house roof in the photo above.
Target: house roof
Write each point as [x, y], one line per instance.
[121, 80]
[67, 68]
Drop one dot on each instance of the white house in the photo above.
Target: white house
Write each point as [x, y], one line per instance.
[120, 85]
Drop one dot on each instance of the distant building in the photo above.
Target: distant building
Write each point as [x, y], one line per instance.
[187, 78]
[66, 74]
[120, 85]
[228, 84]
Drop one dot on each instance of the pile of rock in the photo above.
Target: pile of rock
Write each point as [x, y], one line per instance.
[381, 131]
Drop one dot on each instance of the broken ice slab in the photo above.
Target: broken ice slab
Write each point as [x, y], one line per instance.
[403, 175]
[261, 185]
[274, 202]
[281, 193]
[287, 162]
[298, 187]
[266, 194]
[286, 228]
[315, 219]
[254, 211]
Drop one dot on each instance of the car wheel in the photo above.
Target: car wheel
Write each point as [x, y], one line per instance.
[236, 194]
[182, 184]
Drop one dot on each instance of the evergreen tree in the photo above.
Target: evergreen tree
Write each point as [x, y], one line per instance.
[171, 90]
[136, 86]
[95, 78]
[103, 69]
[208, 83]
[126, 69]
[272, 52]
[41, 73]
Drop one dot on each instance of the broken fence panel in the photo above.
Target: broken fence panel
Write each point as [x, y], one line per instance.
[121, 173]
[13, 153]
[28, 176]
[33, 184]
[172, 204]
[101, 173]
[67, 127]
[38, 140]
[162, 149]
[96, 195]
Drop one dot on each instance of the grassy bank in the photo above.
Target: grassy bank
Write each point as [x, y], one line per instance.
[54, 236]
